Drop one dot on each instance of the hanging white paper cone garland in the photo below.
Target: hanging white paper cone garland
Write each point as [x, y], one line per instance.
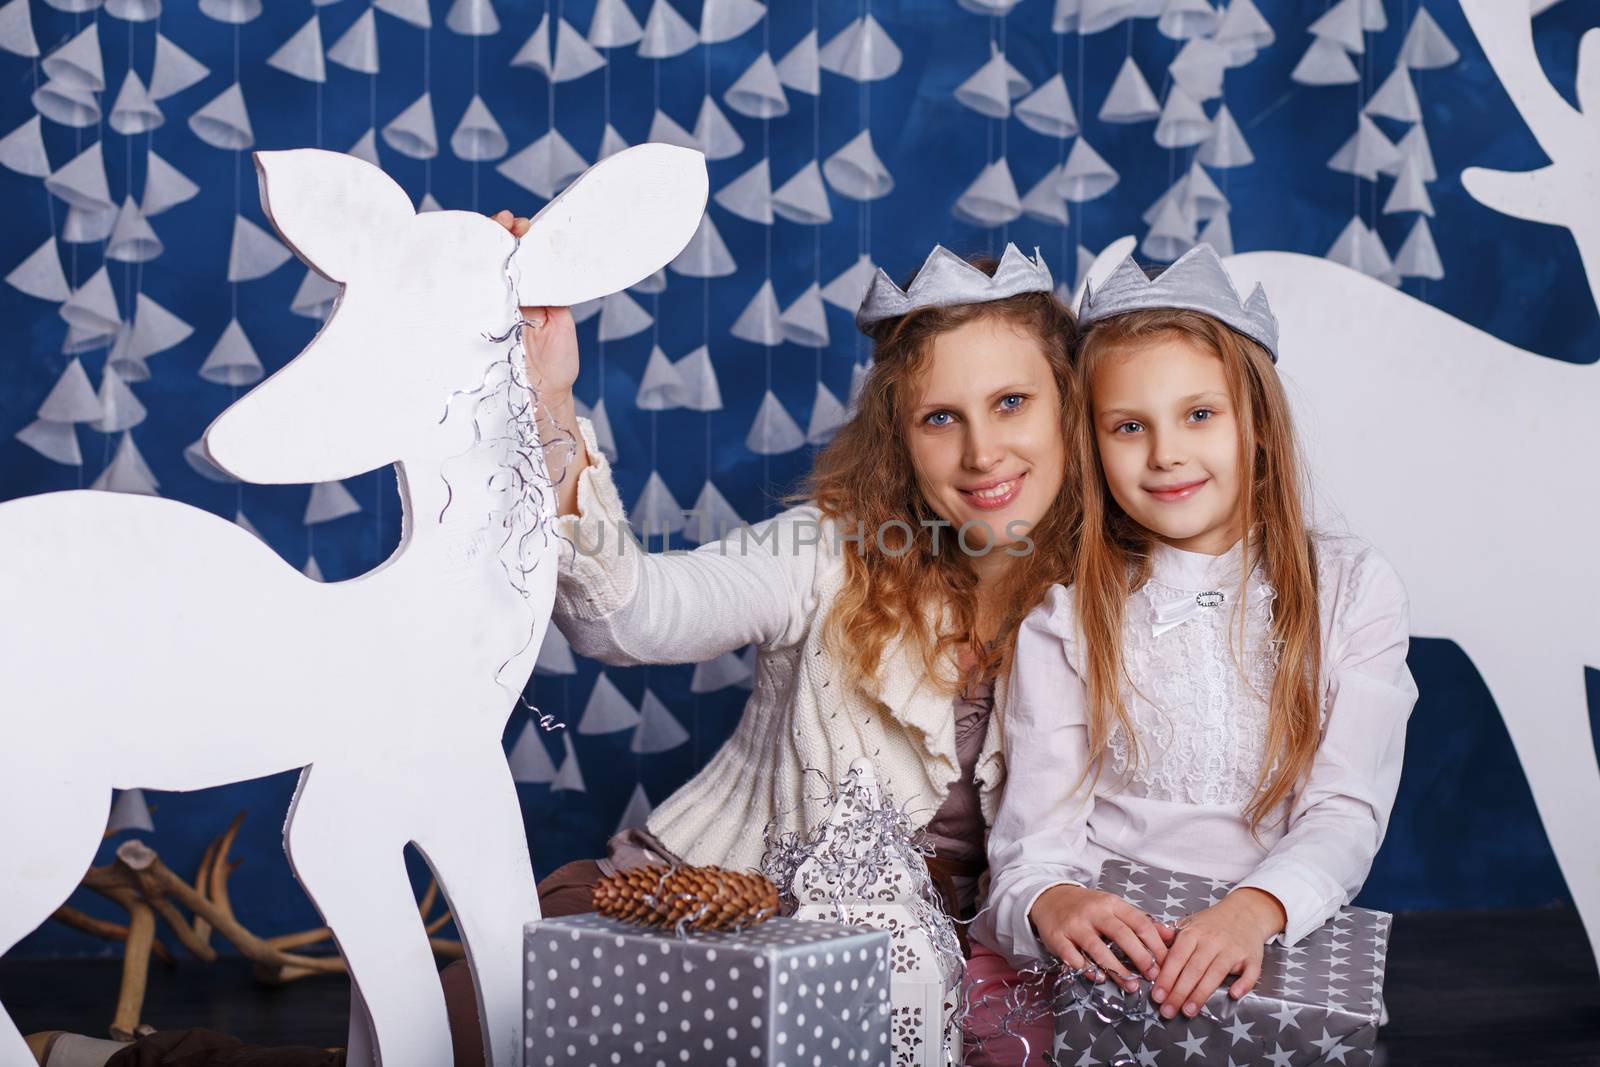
[535, 51]
[1366, 153]
[413, 11]
[1094, 16]
[991, 199]
[81, 181]
[1201, 195]
[16, 29]
[712, 675]
[232, 12]
[555, 655]
[315, 297]
[613, 25]
[1171, 234]
[72, 398]
[56, 441]
[658, 730]
[611, 142]
[132, 239]
[1325, 63]
[1199, 68]
[698, 380]
[255, 252]
[1408, 194]
[174, 71]
[856, 172]
[656, 513]
[717, 137]
[232, 360]
[803, 198]
[78, 60]
[637, 811]
[545, 167]
[991, 88]
[164, 186]
[67, 104]
[1396, 98]
[428, 203]
[569, 776]
[1225, 146]
[127, 472]
[1218, 233]
[758, 93]
[1086, 175]
[666, 130]
[773, 431]
[155, 329]
[1414, 146]
[40, 275]
[574, 56]
[706, 255]
[301, 55]
[1130, 99]
[88, 225]
[799, 68]
[1183, 19]
[713, 517]
[758, 322]
[622, 317]
[749, 196]
[478, 137]
[529, 760]
[357, 47]
[660, 388]
[412, 132]
[130, 812]
[22, 150]
[606, 711]
[1048, 109]
[1357, 248]
[329, 501]
[849, 287]
[473, 18]
[666, 33]
[312, 570]
[827, 415]
[1341, 25]
[1044, 200]
[1243, 31]
[93, 306]
[1426, 47]
[805, 322]
[723, 20]
[1183, 121]
[134, 112]
[224, 122]
[862, 52]
[1418, 256]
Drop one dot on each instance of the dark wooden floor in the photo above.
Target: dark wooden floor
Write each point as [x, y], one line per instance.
[1495, 987]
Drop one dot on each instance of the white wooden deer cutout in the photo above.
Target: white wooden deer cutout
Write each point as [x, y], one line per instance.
[144, 642]
[1468, 461]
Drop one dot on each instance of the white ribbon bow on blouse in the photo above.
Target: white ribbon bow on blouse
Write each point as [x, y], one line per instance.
[1173, 613]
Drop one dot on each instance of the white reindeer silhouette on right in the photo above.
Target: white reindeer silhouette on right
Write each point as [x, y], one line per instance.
[1466, 459]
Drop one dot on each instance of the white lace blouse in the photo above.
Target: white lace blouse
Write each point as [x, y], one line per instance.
[1176, 798]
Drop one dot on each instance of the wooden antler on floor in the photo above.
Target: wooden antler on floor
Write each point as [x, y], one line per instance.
[148, 889]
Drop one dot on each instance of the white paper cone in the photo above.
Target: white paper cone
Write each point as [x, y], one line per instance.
[1366, 152]
[1325, 63]
[78, 61]
[545, 167]
[1226, 146]
[413, 11]
[666, 33]
[656, 513]
[535, 51]
[803, 198]
[805, 322]
[1183, 19]
[132, 239]
[255, 252]
[1373, 18]
[134, 112]
[79, 341]
[174, 71]
[201, 463]
[67, 103]
[1044, 201]
[57, 441]
[574, 56]
[699, 381]
[1396, 98]
[412, 132]
[72, 398]
[164, 186]
[759, 322]
[1218, 233]
[637, 811]
[357, 47]
[40, 275]
[799, 69]
[312, 570]
[611, 142]
[130, 812]
[155, 329]
[1426, 47]
[570, 776]
[749, 196]
[1414, 146]
[555, 655]
[1408, 194]
[1048, 109]
[622, 317]
[22, 150]
[1419, 257]
[1350, 248]
[82, 181]
[1199, 68]
[664, 129]
[329, 501]
[428, 203]
[607, 711]
[712, 675]
[989, 90]
[1201, 197]
[473, 18]
[660, 389]
[224, 122]
[315, 297]
[529, 760]
[849, 288]
[723, 20]
[1183, 121]
[862, 52]
[1171, 235]
[128, 370]
[613, 25]
[1242, 26]
[232, 360]
[713, 518]
[718, 138]
[93, 307]
[856, 172]
[133, 10]
[88, 225]
[774, 431]
[233, 12]
[1341, 25]
[1379, 256]
[1130, 99]
[657, 731]
[301, 54]
[991, 200]
[758, 93]
[706, 255]
[656, 283]
[16, 30]
[827, 415]
[127, 472]
[478, 137]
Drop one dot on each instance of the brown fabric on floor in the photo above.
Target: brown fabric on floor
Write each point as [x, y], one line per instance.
[207, 1048]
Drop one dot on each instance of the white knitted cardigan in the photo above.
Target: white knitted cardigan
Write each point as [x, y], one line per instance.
[625, 607]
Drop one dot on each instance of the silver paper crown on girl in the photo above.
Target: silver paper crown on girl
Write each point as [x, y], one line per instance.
[945, 279]
[1196, 282]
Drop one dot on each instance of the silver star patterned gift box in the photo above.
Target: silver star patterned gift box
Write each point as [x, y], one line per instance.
[784, 993]
[1318, 1002]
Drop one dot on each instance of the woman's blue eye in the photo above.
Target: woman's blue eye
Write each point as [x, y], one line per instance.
[935, 415]
[1198, 412]
[1009, 396]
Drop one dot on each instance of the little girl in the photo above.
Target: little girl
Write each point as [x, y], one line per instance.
[1221, 691]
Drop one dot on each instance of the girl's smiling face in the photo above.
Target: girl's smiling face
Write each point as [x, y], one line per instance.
[1168, 438]
[984, 433]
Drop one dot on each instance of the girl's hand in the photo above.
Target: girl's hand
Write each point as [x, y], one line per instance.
[1075, 923]
[550, 340]
[1227, 938]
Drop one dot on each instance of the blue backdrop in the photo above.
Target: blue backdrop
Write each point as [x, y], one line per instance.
[1464, 832]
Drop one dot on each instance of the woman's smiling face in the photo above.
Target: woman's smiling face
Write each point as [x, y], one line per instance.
[984, 432]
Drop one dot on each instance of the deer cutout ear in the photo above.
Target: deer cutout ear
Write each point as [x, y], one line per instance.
[336, 211]
[622, 220]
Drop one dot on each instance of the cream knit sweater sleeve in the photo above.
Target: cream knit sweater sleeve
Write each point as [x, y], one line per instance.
[624, 606]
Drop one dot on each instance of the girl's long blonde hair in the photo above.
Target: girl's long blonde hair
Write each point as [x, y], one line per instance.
[865, 476]
[1114, 551]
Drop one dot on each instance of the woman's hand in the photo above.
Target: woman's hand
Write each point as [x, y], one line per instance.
[1227, 938]
[549, 341]
[1075, 923]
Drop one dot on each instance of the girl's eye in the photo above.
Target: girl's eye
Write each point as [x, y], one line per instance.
[934, 415]
[1018, 397]
[1201, 414]
[1123, 427]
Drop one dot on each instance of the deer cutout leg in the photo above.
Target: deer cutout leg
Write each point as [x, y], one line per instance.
[346, 838]
[480, 857]
[48, 837]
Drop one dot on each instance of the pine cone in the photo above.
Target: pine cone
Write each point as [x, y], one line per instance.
[702, 898]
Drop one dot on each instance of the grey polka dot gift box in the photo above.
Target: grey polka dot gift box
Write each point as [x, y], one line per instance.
[785, 993]
[1318, 1002]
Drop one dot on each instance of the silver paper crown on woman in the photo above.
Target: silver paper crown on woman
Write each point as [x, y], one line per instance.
[945, 279]
[1196, 282]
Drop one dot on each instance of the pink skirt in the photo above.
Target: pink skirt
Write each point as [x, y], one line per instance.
[992, 986]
